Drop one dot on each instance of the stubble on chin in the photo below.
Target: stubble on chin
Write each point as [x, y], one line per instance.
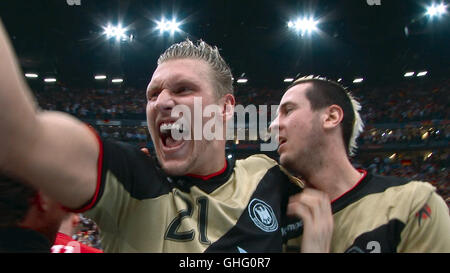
[175, 170]
[293, 165]
[287, 164]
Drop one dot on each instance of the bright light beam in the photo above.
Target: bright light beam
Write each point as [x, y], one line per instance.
[100, 77]
[168, 26]
[421, 74]
[436, 10]
[118, 80]
[305, 25]
[117, 32]
[31, 75]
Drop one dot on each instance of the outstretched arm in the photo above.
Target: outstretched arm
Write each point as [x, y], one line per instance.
[50, 150]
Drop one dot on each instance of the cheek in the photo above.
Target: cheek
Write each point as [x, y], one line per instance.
[150, 113]
[148, 107]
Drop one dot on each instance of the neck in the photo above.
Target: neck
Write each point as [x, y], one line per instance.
[213, 163]
[332, 175]
[66, 228]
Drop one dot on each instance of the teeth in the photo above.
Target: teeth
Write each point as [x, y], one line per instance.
[165, 127]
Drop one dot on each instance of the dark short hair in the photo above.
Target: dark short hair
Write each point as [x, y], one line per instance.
[324, 93]
[15, 200]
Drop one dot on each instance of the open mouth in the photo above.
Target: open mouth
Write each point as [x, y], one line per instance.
[171, 134]
[282, 141]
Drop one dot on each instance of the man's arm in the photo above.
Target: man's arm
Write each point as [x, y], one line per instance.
[52, 151]
[427, 228]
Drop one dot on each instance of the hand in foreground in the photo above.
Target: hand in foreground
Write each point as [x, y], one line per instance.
[314, 208]
[145, 151]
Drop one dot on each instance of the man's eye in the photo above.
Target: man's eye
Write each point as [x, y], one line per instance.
[182, 89]
[153, 96]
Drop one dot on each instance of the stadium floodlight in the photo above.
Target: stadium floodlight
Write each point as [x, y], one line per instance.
[436, 10]
[358, 80]
[408, 74]
[31, 75]
[115, 32]
[109, 31]
[421, 74]
[288, 80]
[305, 25]
[49, 80]
[100, 77]
[168, 26]
[242, 80]
[117, 80]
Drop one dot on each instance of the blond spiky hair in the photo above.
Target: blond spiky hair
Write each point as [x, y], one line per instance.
[203, 51]
[358, 124]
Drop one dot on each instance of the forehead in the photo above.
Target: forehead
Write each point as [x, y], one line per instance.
[182, 69]
[296, 94]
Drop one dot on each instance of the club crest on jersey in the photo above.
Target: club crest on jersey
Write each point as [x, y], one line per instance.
[262, 215]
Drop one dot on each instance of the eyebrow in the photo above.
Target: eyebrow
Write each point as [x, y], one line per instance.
[188, 82]
[175, 82]
[150, 89]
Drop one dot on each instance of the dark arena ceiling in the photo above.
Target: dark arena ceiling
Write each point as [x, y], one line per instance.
[354, 39]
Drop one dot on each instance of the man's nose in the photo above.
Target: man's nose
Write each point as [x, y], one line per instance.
[164, 101]
[274, 126]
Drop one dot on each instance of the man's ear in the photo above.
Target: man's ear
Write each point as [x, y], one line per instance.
[228, 106]
[41, 202]
[332, 116]
[75, 219]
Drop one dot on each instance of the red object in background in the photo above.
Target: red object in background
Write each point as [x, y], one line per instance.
[65, 244]
[406, 162]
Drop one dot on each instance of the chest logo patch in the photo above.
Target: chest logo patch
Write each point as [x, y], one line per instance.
[262, 215]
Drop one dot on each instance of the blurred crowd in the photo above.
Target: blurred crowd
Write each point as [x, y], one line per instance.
[401, 102]
[88, 233]
[382, 103]
[103, 104]
[133, 134]
[424, 166]
[424, 135]
[408, 135]
[405, 102]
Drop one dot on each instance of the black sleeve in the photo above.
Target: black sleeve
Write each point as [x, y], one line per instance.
[125, 172]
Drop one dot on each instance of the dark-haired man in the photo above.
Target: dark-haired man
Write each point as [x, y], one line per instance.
[318, 123]
[29, 219]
